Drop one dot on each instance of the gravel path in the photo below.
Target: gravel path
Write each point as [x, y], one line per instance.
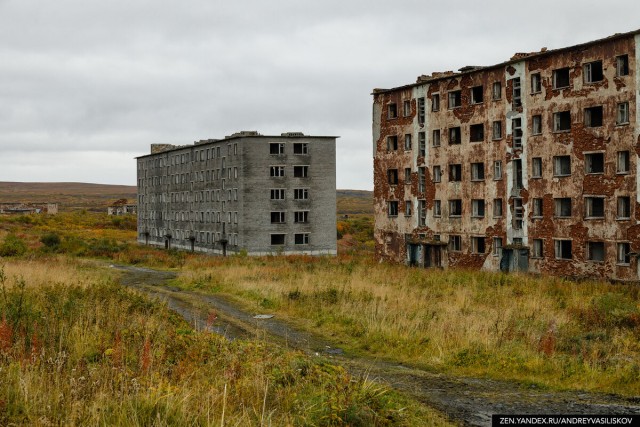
[468, 401]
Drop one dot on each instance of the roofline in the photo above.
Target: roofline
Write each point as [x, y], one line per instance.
[232, 137]
[527, 57]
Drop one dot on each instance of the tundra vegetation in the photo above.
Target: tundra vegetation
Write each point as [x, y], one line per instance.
[78, 349]
[545, 331]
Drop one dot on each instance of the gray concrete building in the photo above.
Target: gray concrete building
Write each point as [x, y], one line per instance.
[247, 192]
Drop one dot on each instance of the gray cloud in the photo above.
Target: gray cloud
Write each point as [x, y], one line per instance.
[82, 81]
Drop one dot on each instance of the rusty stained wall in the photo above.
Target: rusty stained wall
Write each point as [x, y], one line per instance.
[610, 138]
[580, 140]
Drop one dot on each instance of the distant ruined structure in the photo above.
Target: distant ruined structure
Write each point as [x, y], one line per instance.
[122, 207]
[19, 208]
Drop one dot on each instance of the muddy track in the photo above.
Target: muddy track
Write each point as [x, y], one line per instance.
[468, 401]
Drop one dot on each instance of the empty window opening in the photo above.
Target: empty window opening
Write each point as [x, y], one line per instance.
[536, 167]
[497, 169]
[623, 257]
[517, 93]
[477, 208]
[563, 207]
[422, 142]
[497, 130]
[622, 65]
[276, 148]
[476, 133]
[454, 136]
[517, 174]
[278, 217]
[437, 209]
[437, 174]
[516, 125]
[624, 207]
[407, 208]
[537, 248]
[455, 99]
[277, 239]
[562, 165]
[392, 143]
[436, 138]
[595, 251]
[455, 172]
[422, 206]
[497, 246]
[477, 171]
[392, 175]
[622, 113]
[421, 111]
[536, 124]
[594, 163]
[496, 92]
[622, 165]
[536, 83]
[477, 245]
[392, 111]
[537, 207]
[300, 148]
[407, 142]
[277, 194]
[593, 117]
[455, 207]
[393, 208]
[561, 78]
[301, 171]
[406, 108]
[497, 208]
[422, 179]
[301, 217]
[455, 243]
[301, 238]
[562, 121]
[593, 72]
[518, 214]
[301, 193]
[277, 171]
[563, 249]
[435, 102]
[477, 96]
[407, 176]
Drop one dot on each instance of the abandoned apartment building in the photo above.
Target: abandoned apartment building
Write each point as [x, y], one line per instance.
[246, 192]
[528, 165]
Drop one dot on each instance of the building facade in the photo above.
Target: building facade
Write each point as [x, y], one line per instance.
[528, 165]
[246, 192]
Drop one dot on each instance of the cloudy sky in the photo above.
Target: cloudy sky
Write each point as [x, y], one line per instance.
[87, 85]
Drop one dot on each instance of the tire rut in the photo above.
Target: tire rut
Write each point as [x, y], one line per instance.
[467, 401]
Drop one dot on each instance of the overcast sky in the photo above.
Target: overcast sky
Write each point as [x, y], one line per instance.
[85, 86]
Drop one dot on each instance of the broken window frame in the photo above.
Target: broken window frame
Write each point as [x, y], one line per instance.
[517, 93]
[477, 94]
[406, 108]
[478, 245]
[562, 207]
[561, 166]
[623, 253]
[455, 135]
[435, 102]
[407, 142]
[455, 208]
[498, 208]
[300, 193]
[301, 217]
[516, 166]
[277, 194]
[536, 124]
[455, 172]
[392, 143]
[392, 208]
[301, 148]
[454, 99]
[392, 176]
[392, 111]
[407, 176]
[537, 248]
[518, 213]
[437, 208]
[592, 72]
[622, 113]
[622, 162]
[455, 243]
[594, 163]
[596, 251]
[497, 246]
[422, 144]
[516, 130]
[301, 238]
[562, 121]
[563, 249]
[476, 132]
[278, 239]
[623, 208]
[276, 148]
[435, 139]
[622, 65]
[477, 171]
[497, 170]
[278, 217]
[536, 167]
[422, 179]
[407, 208]
[593, 116]
[421, 111]
[560, 80]
[301, 171]
[277, 171]
[496, 91]
[536, 83]
[437, 174]
[422, 210]
[477, 208]
[496, 130]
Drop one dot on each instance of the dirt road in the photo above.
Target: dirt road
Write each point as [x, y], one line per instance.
[470, 401]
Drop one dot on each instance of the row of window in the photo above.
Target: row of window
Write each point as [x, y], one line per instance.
[191, 177]
[562, 208]
[298, 171]
[198, 236]
[298, 239]
[563, 248]
[561, 78]
[278, 148]
[208, 217]
[280, 217]
[198, 156]
[593, 117]
[298, 193]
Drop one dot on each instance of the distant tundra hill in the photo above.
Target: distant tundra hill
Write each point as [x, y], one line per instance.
[96, 197]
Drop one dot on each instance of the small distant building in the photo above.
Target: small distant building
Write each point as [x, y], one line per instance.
[122, 207]
[21, 208]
